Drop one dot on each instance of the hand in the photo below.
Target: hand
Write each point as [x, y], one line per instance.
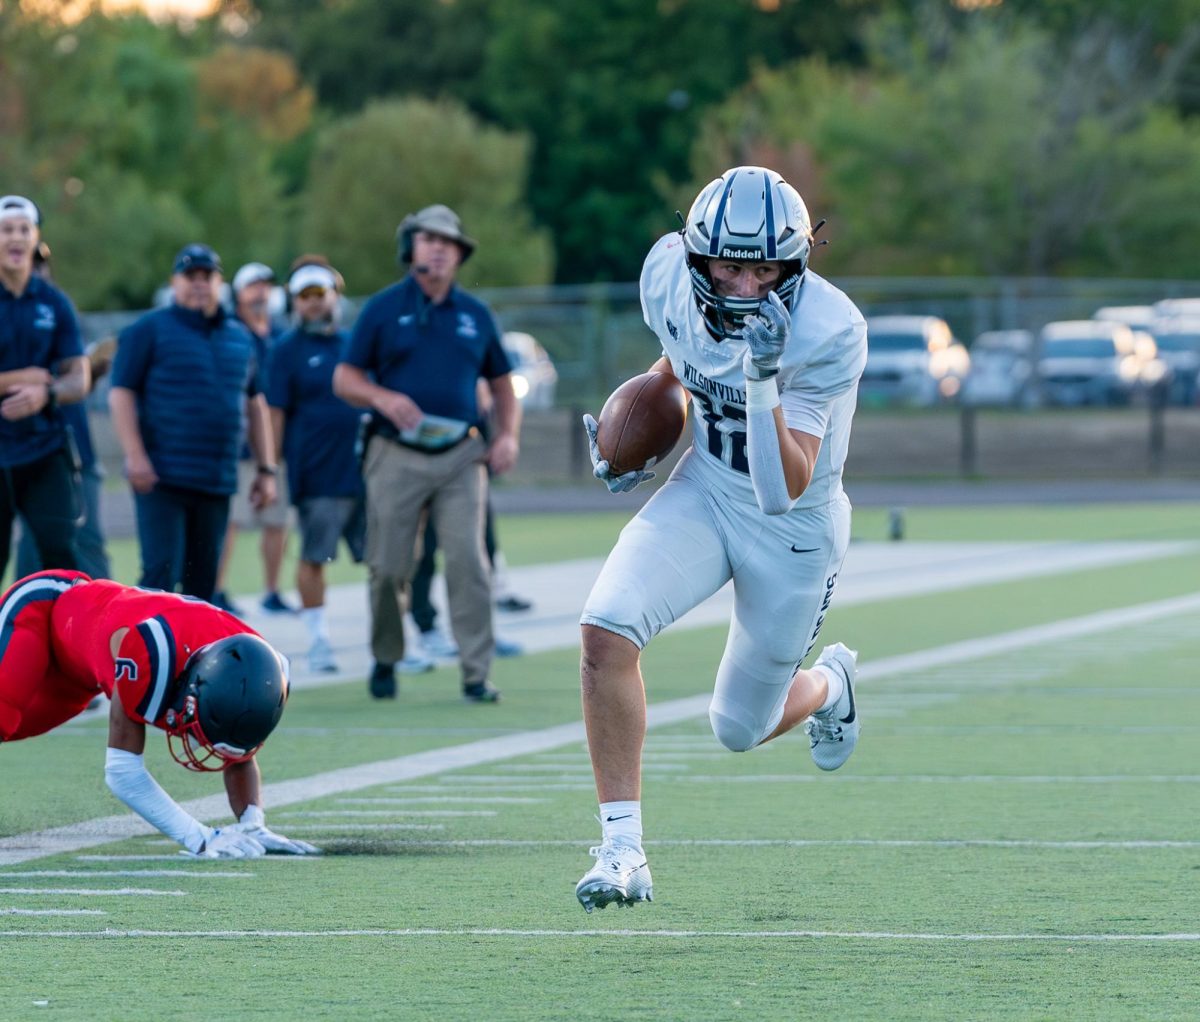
[274, 843]
[229, 843]
[399, 409]
[766, 336]
[616, 484]
[24, 400]
[502, 455]
[263, 491]
[140, 472]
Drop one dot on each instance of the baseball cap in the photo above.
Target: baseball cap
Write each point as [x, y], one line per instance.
[196, 257]
[312, 275]
[18, 206]
[252, 273]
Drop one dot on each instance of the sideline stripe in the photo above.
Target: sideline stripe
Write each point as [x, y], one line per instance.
[73, 837]
[1130, 845]
[1081, 938]
[88, 892]
[52, 912]
[77, 873]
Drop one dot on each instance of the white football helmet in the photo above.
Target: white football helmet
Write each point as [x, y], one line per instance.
[751, 214]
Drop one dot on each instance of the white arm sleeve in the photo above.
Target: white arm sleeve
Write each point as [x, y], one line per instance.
[762, 448]
[131, 782]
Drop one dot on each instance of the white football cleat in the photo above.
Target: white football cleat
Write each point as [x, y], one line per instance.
[621, 875]
[833, 733]
[437, 645]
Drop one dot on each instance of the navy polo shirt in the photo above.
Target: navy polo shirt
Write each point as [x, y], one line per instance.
[262, 355]
[38, 328]
[434, 354]
[191, 374]
[321, 429]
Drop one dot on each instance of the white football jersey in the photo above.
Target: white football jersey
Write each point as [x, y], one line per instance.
[818, 375]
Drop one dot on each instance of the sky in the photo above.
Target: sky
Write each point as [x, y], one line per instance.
[68, 10]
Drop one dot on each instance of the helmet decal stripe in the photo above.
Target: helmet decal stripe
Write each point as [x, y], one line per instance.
[160, 644]
[714, 246]
[769, 196]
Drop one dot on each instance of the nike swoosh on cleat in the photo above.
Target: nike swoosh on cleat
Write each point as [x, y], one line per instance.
[806, 550]
[849, 689]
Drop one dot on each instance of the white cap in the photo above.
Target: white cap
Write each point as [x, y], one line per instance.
[18, 206]
[252, 273]
[312, 275]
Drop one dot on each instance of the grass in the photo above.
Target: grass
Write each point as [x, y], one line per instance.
[1090, 740]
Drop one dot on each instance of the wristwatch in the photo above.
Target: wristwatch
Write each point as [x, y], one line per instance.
[268, 470]
[51, 397]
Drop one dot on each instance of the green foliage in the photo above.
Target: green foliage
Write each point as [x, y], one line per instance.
[369, 170]
[986, 149]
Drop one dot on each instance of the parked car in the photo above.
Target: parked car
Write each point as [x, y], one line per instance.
[1178, 343]
[1001, 369]
[1177, 308]
[534, 376]
[913, 360]
[1088, 361]
[1136, 317]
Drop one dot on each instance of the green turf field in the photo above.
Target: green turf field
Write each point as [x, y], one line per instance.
[1014, 838]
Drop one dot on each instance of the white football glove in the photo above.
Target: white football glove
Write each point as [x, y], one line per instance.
[254, 826]
[766, 335]
[616, 484]
[229, 843]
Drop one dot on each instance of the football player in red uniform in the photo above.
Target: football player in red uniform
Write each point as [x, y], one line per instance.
[174, 662]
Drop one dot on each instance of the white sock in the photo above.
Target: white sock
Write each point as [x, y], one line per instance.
[622, 823]
[837, 685]
[314, 621]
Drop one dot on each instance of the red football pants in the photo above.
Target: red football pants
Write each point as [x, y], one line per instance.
[35, 696]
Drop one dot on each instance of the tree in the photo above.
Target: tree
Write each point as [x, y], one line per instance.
[989, 148]
[395, 157]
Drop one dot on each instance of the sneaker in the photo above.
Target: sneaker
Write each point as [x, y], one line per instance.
[621, 875]
[273, 603]
[513, 603]
[320, 658]
[383, 681]
[506, 648]
[222, 602]
[435, 644]
[481, 692]
[415, 663]
[833, 733]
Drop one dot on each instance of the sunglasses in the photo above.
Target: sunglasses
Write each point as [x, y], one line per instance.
[312, 292]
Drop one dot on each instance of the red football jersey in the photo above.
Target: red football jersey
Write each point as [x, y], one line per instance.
[165, 629]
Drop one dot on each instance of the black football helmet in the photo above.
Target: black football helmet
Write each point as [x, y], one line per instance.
[230, 696]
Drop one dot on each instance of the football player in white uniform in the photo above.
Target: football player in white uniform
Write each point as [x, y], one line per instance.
[771, 355]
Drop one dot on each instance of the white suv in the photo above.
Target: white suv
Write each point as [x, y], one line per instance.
[913, 360]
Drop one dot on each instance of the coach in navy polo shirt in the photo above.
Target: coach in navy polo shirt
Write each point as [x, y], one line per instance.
[41, 366]
[425, 343]
[184, 391]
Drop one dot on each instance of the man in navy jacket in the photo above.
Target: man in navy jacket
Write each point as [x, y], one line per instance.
[184, 392]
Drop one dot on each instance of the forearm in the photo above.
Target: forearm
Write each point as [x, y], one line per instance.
[17, 377]
[507, 409]
[780, 469]
[243, 785]
[75, 382]
[353, 386]
[122, 403]
[278, 424]
[259, 434]
[128, 779]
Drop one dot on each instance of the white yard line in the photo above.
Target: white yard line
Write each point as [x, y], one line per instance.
[76, 874]
[1068, 938]
[52, 911]
[89, 892]
[967, 843]
[73, 837]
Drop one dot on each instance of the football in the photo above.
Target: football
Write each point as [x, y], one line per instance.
[641, 421]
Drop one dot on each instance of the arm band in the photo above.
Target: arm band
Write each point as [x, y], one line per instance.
[131, 782]
[762, 448]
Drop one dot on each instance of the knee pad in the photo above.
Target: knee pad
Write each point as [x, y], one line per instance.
[736, 735]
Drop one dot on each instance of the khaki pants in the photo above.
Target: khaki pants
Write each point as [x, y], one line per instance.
[403, 486]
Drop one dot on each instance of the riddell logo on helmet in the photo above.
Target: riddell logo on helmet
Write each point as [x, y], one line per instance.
[728, 252]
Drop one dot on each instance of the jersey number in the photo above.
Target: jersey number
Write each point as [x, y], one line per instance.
[727, 444]
[126, 669]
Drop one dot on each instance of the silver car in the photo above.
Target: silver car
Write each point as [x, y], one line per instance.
[912, 360]
[534, 377]
[1086, 361]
